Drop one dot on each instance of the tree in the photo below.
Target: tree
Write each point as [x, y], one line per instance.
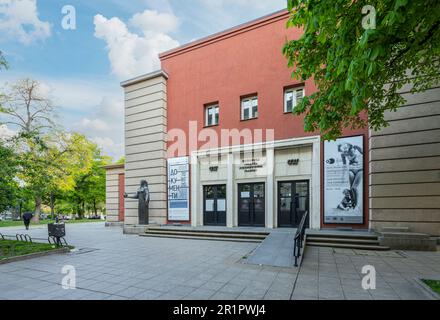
[25, 105]
[89, 189]
[69, 156]
[3, 62]
[360, 56]
[8, 170]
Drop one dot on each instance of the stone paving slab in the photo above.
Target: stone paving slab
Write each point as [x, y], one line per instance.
[130, 267]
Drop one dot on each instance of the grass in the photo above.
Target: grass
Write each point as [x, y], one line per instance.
[433, 284]
[8, 223]
[13, 248]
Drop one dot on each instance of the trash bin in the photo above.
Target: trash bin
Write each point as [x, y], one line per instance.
[57, 230]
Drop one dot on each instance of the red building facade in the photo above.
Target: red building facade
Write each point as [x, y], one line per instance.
[241, 157]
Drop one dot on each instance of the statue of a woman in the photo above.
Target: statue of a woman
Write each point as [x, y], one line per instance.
[143, 196]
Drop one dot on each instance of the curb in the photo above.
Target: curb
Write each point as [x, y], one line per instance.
[35, 255]
[426, 289]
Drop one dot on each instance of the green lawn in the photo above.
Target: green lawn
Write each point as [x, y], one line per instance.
[13, 248]
[42, 222]
[433, 284]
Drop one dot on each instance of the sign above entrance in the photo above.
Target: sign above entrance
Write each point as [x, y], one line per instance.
[178, 189]
[343, 180]
[252, 164]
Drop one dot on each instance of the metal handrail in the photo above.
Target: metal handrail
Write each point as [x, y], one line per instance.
[299, 238]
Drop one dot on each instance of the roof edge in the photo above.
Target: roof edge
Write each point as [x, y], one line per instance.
[144, 77]
[225, 33]
[114, 166]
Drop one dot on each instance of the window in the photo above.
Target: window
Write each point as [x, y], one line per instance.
[292, 97]
[249, 108]
[212, 115]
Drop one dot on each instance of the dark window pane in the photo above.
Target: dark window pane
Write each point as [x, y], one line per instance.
[209, 192]
[254, 111]
[246, 114]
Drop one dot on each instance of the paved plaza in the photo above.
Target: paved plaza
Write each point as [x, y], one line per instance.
[110, 265]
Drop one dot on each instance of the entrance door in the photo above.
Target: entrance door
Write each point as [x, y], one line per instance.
[214, 205]
[251, 205]
[293, 202]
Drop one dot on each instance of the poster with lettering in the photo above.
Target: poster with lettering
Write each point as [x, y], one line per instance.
[343, 180]
[178, 189]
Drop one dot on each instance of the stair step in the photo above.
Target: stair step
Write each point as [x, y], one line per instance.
[152, 235]
[261, 233]
[395, 229]
[347, 246]
[342, 236]
[207, 234]
[345, 240]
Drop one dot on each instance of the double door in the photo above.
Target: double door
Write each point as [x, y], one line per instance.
[251, 205]
[293, 202]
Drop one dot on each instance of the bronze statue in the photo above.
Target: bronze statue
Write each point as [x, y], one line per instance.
[143, 196]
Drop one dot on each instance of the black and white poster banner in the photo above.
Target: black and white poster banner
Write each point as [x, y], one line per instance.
[343, 180]
[178, 189]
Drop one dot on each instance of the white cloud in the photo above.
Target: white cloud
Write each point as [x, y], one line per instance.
[19, 20]
[5, 132]
[94, 124]
[93, 107]
[109, 147]
[152, 21]
[105, 126]
[131, 54]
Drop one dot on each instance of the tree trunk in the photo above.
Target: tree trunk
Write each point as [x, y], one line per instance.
[36, 218]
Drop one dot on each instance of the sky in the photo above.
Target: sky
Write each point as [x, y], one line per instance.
[113, 40]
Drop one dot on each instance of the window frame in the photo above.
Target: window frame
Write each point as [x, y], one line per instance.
[294, 101]
[249, 98]
[214, 105]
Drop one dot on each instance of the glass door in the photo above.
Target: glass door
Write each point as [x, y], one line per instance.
[251, 205]
[293, 202]
[214, 205]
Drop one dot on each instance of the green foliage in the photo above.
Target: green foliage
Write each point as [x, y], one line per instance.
[3, 62]
[8, 170]
[358, 71]
[12, 248]
[55, 168]
[89, 191]
[434, 285]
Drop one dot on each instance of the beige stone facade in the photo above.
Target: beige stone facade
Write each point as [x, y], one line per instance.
[112, 189]
[145, 144]
[405, 166]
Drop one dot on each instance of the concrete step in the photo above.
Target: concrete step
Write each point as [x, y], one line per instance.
[395, 229]
[224, 231]
[347, 246]
[182, 236]
[407, 235]
[348, 235]
[212, 234]
[344, 240]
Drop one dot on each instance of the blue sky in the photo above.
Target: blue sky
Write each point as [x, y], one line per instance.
[113, 40]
